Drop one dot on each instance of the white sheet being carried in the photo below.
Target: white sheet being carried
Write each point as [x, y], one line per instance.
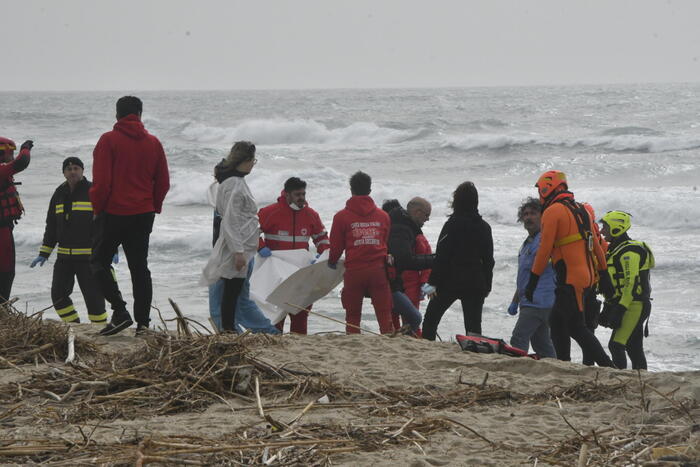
[288, 277]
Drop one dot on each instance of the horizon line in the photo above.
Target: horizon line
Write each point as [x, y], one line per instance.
[342, 88]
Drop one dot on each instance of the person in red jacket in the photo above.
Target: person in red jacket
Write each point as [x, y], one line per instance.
[129, 182]
[10, 209]
[362, 231]
[288, 225]
[414, 280]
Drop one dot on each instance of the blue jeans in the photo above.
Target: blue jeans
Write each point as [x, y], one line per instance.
[533, 328]
[404, 307]
[248, 315]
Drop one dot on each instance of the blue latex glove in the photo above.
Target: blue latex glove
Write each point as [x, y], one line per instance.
[313, 261]
[332, 265]
[513, 309]
[428, 290]
[115, 258]
[265, 252]
[40, 260]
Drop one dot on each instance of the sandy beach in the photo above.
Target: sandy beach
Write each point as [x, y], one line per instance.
[329, 400]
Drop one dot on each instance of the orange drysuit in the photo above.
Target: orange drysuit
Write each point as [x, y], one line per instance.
[561, 240]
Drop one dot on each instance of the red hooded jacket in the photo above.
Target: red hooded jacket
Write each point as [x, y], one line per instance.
[129, 171]
[289, 229]
[362, 231]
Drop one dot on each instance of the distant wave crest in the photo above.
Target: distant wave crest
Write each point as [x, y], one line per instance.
[619, 142]
[297, 131]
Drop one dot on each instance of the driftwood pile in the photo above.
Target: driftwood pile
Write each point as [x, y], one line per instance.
[29, 339]
[189, 372]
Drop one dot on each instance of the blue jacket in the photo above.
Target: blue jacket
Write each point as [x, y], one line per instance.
[544, 293]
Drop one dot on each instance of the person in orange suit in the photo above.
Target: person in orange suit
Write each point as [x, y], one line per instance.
[568, 239]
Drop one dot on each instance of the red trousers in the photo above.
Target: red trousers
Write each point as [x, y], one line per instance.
[299, 321]
[374, 283]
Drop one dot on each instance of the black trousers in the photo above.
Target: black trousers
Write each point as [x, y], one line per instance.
[472, 306]
[566, 322]
[6, 280]
[133, 234]
[591, 312]
[232, 289]
[65, 271]
[7, 262]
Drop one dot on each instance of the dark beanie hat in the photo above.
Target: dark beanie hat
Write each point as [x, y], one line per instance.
[72, 160]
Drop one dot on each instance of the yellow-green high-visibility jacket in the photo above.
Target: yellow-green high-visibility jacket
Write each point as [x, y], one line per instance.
[69, 223]
[628, 265]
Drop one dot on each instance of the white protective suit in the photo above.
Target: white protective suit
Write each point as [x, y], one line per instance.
[239, 231]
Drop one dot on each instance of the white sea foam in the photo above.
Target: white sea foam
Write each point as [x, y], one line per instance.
[614, 142]
[297, 131]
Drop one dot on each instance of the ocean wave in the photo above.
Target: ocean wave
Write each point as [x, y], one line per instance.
[188, 188]
[623, 142]
[297, 131]
[487, 123]
[631, 130]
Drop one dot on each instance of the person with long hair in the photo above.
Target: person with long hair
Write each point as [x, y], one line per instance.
[239, 231]
[463, 267]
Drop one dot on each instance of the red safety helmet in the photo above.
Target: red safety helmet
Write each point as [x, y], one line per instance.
[7, 143]
[548, 183]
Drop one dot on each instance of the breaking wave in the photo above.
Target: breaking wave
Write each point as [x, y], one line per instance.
[297, 131]
[616, 141]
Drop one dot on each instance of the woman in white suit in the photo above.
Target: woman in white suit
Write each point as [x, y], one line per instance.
[238, 239]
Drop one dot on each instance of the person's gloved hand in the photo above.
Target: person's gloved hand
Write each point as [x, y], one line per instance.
[115, 258]
[265, 252]
[29, 144]
[428, 290]
[40, 260]
[605, 285]
[616, 315]
[332, 265]
[513, 309]
[313, 261]
[531, 286]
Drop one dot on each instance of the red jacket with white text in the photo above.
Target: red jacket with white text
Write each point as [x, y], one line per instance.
[129, 171]
[362, 231]
[285, 228]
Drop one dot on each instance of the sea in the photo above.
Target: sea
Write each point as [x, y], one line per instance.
[629, 147]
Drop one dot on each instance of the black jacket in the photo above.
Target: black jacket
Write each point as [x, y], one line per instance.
[402, 246]
[69, 222]
[464, 256]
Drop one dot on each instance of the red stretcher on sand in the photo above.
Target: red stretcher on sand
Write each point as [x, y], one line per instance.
[483, 344]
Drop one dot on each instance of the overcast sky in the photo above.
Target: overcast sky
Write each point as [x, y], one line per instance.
[259, 44]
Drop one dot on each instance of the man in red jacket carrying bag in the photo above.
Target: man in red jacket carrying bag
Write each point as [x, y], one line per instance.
[362, 231]
[130, 180]
[288, 225]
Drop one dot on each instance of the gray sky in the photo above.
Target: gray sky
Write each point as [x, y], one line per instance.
[260, 44]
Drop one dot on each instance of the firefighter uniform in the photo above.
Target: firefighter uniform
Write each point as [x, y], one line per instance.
[69, 224]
